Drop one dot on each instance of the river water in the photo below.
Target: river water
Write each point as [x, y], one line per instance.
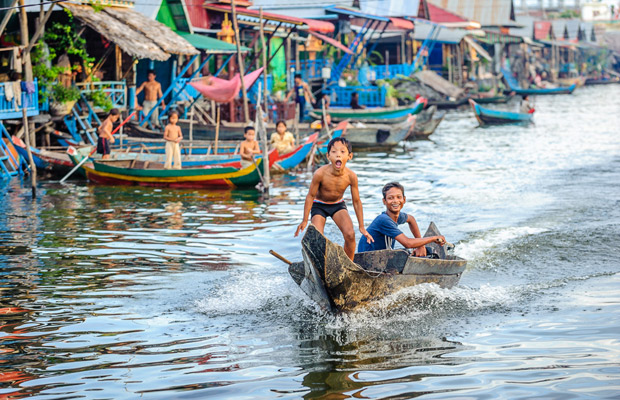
[128, 292]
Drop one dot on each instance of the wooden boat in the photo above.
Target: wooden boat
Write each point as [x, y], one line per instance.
[371, 115]
[591, 81]
[292, 159]
[145, 173]
[379, 135]
[54, 161]
[486, 116]
[448, 104]
[493, 99]
[337, 284]
[228, 131]
[426, 123]
[514, 87]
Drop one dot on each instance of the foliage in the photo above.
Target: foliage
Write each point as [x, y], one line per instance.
[100, 99]
[391, 91]
[61, 38]
[63, 94]
[569, 14]
[375, 53]
[279, 83]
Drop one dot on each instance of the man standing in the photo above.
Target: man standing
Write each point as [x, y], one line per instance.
[152, 93]
[302, 93]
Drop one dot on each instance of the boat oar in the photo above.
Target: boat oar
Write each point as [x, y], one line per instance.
[279, 257]
[95, 149]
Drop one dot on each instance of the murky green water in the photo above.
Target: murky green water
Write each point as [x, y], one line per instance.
[125, 292]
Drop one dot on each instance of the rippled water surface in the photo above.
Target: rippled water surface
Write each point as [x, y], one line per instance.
[127, 292]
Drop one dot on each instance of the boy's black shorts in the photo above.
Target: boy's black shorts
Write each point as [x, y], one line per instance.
[103, 146]
[326, 210]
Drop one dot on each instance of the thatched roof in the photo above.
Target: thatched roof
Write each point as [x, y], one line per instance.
[165, 37]
[132, 41]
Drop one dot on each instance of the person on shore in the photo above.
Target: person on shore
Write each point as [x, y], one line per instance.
[282, 140]
[302, 93]
[105, 134]
[152, 94]
[355, 102]
[525, 107]
[384, 229]
[249, 147]
[173, 136]
[325, 196]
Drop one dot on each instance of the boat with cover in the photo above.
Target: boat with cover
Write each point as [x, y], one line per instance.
[486, 116]
[146, 173]
[329, 277]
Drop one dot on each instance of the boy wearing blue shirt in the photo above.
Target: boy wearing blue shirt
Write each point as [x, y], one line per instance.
[384, 229]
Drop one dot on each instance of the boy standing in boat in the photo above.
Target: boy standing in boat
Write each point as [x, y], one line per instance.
[249, 147]
[173, 136]
[152, 93]
[105, 134]
[384, 229]
[325, 196]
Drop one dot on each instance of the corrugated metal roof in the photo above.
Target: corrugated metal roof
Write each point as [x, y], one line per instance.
[487, 12]
[391, 8]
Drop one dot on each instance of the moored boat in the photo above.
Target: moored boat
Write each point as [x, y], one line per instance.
[514, 87]
[146, 173]
[293, 158]
[486, 116]
[337, 284]
[379, 135]
[493, 99]
[426, 123]
[372, 115]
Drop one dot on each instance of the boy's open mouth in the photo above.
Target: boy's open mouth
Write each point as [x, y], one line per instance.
[338, 163]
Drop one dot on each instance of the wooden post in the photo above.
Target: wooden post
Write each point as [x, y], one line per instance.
[27, 68]
[217, 129]
[296, 124]
[246, 112]
[265, 66]
[191, 129]
[261, 124]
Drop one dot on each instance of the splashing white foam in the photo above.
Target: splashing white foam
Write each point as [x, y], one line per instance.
[476, 247]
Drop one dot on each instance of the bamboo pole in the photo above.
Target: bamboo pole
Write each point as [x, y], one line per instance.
[27, 68]
[246, 112]
[265, 66]
[7, 16]
[191, 129]
[217, 129]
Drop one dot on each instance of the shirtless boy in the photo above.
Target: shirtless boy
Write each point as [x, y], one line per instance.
[384, 229]
[249, 147]
[105, 133]
[152, 93]
[173, 136]
[325, 197]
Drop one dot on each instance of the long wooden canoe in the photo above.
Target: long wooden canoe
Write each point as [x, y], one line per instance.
[337, 284]
[292, 159]
[426, 123]
[486, 116]
[514, 87]
[145, 173]
[370, 115]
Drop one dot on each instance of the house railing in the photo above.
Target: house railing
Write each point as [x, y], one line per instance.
[309, 69]
[369, 96]
[115, 91]
[375, 72]
[12, 109]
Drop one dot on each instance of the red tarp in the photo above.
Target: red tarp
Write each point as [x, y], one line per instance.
[402, 23]
[222, 90]
[333, 42]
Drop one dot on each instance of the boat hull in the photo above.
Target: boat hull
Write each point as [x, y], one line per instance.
[337, 284]
[371, 115]
[379, 136]
[486, 116]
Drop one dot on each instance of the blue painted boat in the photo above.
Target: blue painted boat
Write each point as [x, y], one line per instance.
[294, 158]
[514, 86]
[486, 116]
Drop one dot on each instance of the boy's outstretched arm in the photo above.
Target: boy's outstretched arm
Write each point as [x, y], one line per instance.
[357, 206]
[314, 188]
